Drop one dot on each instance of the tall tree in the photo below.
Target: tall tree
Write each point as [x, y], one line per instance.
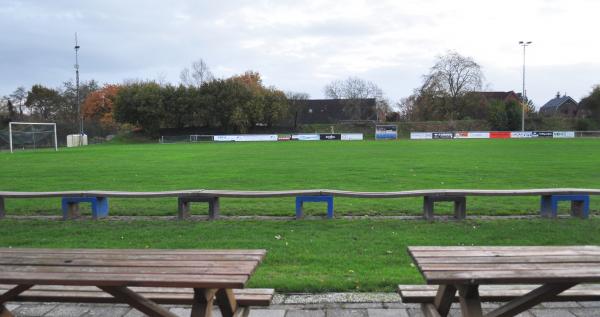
[44, 103]
[453, 76]
[18, 97]
[590, 105]
[141, 104]
[11, 109]
[69, 109]
[98, 106]
[444, 94]
[268, 104]
[227, 101]
[294, 101]
[197, 74]
[353, 88]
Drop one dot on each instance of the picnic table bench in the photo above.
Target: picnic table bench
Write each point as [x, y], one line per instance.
[505, 274]
[141, 278]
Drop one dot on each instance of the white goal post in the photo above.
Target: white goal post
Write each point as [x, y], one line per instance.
[10, 132]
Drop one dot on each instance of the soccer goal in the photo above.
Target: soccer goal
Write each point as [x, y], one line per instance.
[32, 135]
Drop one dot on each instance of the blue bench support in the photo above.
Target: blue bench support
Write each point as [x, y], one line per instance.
[460, 206]
[300, 200]
[183, 203]
[70, 207]
[580, 205]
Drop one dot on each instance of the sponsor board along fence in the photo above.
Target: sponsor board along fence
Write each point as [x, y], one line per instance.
[263, 137]
[492, 135]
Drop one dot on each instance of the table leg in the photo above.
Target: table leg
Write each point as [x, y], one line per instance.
[4, 312]
[14, 292]
[203, 302]
[470, 303]
[523, 303]
[137, 301]
[227, 302]
[444, 298]
[10, 295]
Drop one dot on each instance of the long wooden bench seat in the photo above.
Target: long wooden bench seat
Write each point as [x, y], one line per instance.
[309, 192]
[159, 295]
[71, 199]
[425, 294]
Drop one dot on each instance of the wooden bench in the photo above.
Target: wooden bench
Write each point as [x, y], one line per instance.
[161, 295]
[144, 279]
[425, 294]
[185, 197]
[474, 274]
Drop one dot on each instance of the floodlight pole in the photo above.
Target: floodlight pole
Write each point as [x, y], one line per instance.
[79, 114]
[524, 92]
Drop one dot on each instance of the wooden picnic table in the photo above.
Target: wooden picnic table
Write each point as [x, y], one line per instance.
[464, 269]
[212, 274]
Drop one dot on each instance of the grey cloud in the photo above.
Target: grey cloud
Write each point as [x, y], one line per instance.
[141, 39]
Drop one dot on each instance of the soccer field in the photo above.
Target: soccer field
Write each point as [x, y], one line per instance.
[359, 165]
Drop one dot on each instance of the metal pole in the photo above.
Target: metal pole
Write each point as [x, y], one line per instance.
[10, 136]
[524, 98]
[79, 114]
[55, 139]
[524, 92]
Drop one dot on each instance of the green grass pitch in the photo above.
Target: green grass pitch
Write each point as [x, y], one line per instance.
[359, 165]
[306, 255]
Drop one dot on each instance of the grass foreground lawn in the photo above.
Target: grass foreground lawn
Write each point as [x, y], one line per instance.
[306, 256]
[358, 165]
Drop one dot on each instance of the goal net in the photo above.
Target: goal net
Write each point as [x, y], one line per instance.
[29, 135]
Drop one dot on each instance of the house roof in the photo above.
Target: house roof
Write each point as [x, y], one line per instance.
[498, 95]
[555, 103]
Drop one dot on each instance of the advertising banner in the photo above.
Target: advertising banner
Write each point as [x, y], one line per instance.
[352, 136]
[421, 136]
[479, 135]
[386, 132]
[521, 134]
[306, 137]
[543, 134]
[442, 135]
[563, 134]
[500, 135]
[471, 135]
[461, 135]
[245, 137]
[330, 137]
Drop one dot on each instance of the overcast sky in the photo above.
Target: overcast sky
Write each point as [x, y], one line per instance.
[303, 45]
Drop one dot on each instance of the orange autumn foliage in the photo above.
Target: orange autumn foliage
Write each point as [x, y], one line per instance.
[251, 79]
[98, 105]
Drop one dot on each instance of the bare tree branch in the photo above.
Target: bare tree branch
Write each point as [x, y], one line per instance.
[198, 74]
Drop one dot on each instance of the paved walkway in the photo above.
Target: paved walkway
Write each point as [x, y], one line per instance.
[303, 305]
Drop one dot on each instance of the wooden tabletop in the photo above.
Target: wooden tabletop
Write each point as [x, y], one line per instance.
[508, 265]
[119, 267]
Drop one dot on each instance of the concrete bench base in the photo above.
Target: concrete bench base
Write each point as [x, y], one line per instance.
[460, 206]
[580, 205]
[2, 208]
[184, 203]
[70, 207]
[300, 200]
